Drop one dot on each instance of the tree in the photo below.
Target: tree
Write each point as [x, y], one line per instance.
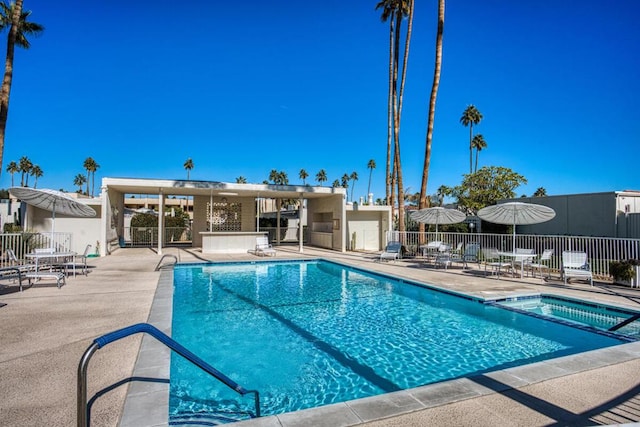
[91, 166]
[486, 187]
[336, 184]
[344, 181]
[241, 180]
[12, 17]
[278, 177]
[478, 143]
[470, 116]
[353, 177]
[25, 165]
[423, 203]
[36, 172]
[371, 165]
[79, 181]
[303, 176]
[12, 168]
[188, 165]
[321, 176]
[540, 192]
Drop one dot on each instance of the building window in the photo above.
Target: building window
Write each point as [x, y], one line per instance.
[223, 216]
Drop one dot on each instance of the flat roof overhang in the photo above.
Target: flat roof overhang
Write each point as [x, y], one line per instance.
[215, 188]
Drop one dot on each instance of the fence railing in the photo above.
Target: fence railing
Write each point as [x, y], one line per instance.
[148, 236]
[24, 243]
[600, 250]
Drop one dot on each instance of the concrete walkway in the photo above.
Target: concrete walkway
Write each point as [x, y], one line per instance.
[44, 331]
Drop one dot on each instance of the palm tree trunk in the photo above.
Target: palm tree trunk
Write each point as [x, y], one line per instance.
[8, 75]
[476, 168]
[470, 147]
[388, 176]
[432, 108]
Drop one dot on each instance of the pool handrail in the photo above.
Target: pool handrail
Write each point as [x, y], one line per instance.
[82, 409]
[159, 266]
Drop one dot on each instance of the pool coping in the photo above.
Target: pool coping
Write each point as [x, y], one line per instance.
[147, 401]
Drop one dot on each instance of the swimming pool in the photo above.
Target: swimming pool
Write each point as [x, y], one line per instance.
[307, 334]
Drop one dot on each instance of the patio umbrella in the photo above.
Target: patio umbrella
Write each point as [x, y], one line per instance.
[52, 201]
[438, 215]
[516, 213]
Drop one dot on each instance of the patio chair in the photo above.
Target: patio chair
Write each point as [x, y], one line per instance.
[15, 262]
[78, 261]
[575, 265]
[263, 247]
[470, 254]
[541, 263]
[392, 252]
[492, 260]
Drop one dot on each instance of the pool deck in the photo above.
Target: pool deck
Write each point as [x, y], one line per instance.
[44, 331]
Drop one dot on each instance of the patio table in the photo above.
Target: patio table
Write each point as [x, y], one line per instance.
[37, 256]
[517, 257]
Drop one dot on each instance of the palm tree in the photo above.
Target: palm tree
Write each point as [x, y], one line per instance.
[12, 168]
[432, 109]
[25, 165]
[37, 173]
[241, 180]
[540, 192]
[371, 166]
[478, 143]
[353, 177]
[471, 116]
[12, 17]
[395, 11]
[94, 167]
[90, 166]
[344, 181]
[335, 184]
[321, 176]
[303, 176]
[188, 165]
[79, 181]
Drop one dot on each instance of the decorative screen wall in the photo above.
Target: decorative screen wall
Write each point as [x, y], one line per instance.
[223, 216]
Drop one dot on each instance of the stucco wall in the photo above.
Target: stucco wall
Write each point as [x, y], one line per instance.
[328, 210]
[248, 215]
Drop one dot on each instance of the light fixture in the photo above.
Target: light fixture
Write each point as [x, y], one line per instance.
[228, 194]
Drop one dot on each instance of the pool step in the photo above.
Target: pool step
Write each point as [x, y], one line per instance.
[205, 418]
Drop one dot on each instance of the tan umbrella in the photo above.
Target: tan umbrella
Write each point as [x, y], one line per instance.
[516, 213]
[438, 215]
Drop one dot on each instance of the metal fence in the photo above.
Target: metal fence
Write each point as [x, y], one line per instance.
[24, 243]
[600, 250]
[148, 236]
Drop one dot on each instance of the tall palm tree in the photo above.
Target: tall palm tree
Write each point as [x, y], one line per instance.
[353, 177]
[303, 176]
[321, 176]
[344, 181]
[478, 143]
[241, 180]
[188, 165]
[79, 181]
[336, 184]
[36, 172]
[91, 166]
[371, 166]
[12, 17]
[12, 168]
[25, 165]
[423, 203]
[471, 116]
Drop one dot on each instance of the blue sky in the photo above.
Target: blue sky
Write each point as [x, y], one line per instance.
[246, 87]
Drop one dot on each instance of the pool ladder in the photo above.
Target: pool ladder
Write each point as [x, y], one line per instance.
[159, 266]
[83, 414]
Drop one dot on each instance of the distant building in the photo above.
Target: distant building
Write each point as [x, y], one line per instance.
[608, 214]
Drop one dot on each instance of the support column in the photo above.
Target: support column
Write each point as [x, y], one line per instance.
[300, 224]
[278, 208]
[160, 220]
[105, 220]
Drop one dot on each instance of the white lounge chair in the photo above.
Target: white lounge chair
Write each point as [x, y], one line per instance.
[575, 265]
[470, 254]
[263, 247]
[15, 262]
[392, 252]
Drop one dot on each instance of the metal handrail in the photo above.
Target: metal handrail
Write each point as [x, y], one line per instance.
[163, 257]
[82, 409]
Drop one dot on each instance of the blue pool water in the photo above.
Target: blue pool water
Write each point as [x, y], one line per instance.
[307, 334]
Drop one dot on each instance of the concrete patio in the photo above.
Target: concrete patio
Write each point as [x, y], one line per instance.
[44, 332]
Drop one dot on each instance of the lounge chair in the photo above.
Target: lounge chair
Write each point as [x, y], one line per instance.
[541, 264]
[493, 261]
[263, 247]
[392, 252]
[575, 265]
[15, 262]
